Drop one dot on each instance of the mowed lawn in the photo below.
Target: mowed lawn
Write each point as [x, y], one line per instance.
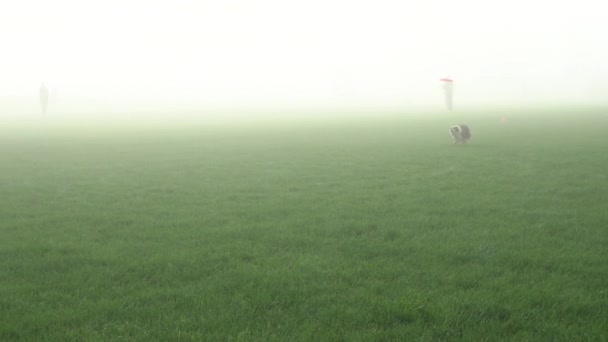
[351, 228]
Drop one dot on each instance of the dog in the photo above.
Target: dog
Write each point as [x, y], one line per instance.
[460, 133]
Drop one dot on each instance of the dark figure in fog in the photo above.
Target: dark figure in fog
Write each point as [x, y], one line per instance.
[460, 133]
[44, 97]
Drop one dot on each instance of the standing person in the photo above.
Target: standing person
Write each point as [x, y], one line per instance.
[44, 97]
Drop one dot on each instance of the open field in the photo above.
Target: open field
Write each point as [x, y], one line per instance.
[350, 228]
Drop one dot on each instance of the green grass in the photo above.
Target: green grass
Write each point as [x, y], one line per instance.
[341, 229]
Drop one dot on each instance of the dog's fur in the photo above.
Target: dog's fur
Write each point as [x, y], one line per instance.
[460, 133]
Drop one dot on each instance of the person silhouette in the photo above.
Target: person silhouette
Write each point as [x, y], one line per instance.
[44, 97]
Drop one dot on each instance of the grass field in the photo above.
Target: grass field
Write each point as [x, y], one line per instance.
[350, 228]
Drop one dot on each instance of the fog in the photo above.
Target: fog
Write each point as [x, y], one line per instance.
[163, 55]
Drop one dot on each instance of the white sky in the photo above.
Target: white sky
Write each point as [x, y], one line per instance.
[298, 53]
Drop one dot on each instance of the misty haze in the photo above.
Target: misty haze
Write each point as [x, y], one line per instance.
[244, 54]
[332, 170]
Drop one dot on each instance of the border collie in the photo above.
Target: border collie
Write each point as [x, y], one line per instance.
[460, 133]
